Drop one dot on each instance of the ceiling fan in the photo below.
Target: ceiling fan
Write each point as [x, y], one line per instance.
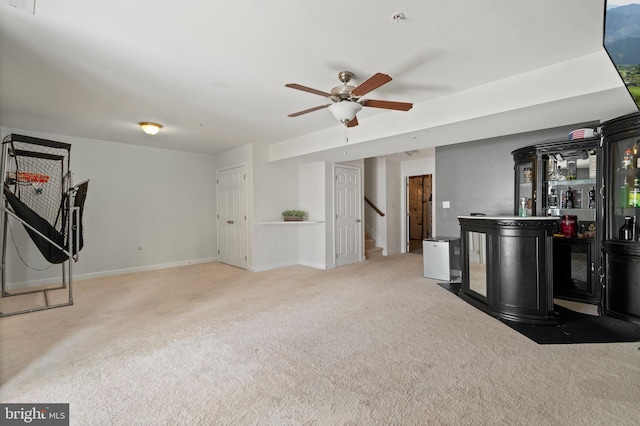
[346, 99]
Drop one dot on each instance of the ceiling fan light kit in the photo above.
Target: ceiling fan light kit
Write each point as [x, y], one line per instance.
[345, 111]
[346, 99]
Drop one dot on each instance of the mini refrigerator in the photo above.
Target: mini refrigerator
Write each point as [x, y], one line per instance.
[442, 258]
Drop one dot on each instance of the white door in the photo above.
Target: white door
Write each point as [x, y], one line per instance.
[348, 208]
[232, 216]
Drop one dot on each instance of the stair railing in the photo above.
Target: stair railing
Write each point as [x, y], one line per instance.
[373, 206]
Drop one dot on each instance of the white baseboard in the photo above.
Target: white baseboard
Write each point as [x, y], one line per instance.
[262, 268]
[314, 265]
[91, 275]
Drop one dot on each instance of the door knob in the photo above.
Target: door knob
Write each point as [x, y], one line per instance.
[357, 220]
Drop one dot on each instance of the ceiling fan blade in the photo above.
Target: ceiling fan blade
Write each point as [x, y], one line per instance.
[307, 89]
[353, 122]
[400, 106]
[375, 81]
[295, 114]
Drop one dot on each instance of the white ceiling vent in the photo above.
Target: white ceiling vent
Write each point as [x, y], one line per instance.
[28, 6]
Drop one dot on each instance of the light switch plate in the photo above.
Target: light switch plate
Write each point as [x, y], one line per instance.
[446, 204]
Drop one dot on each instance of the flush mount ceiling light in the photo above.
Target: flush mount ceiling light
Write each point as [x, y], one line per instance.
[345, 111]
[150, 128]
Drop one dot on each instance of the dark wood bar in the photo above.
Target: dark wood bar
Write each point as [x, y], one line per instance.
[623, 287]
[507, 266]
[622, 249]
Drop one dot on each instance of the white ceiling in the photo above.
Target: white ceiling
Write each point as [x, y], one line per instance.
[213, 72]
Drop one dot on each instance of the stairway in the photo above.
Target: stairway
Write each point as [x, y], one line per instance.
[370, 249]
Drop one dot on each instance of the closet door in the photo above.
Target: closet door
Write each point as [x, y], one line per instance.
[348, 202]
[232, 216]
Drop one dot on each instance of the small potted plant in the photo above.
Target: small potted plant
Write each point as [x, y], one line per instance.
[293, 215]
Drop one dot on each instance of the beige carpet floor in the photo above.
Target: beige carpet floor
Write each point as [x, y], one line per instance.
[373, 343]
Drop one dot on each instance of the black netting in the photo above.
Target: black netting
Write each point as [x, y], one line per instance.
[37, 186]
[76, 231]
[48, 250]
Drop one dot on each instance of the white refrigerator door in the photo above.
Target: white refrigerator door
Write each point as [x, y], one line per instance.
[436, 260]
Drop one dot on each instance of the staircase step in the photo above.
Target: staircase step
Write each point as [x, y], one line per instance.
[373, 252]
[370, 249]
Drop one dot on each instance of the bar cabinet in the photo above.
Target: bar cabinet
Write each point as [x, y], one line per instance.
[564, 180]
[621, 140]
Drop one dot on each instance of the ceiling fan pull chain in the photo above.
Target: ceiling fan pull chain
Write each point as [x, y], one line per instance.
[346, 136]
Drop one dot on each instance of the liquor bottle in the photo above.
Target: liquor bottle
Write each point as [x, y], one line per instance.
[562, 176]
[592, 198]
[634, 194]
[553, 199]
[627, 159]
[627, 230]
[555, 173]
[624, 194]
[569, 198]
[571, 170]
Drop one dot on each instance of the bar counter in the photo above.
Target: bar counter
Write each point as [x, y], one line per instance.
[507, 266]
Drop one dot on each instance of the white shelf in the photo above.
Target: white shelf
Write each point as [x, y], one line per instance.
[569, 182]
[292, 222]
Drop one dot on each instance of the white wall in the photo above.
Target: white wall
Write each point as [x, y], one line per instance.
[393, 212]
[312, 193]
[160, 200]
[163, 202]
[275, 189]
[329, 225]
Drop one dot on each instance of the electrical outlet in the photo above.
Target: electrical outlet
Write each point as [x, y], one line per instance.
[140, 247]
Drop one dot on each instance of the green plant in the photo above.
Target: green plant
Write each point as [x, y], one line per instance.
[294, 213]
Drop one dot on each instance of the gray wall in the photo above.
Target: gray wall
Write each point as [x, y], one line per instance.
[478, 176]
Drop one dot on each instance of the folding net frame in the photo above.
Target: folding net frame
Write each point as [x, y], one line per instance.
[38, 193]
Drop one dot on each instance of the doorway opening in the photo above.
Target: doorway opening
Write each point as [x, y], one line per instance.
[419, 211]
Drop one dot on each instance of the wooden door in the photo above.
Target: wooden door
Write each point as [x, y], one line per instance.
[418, 211]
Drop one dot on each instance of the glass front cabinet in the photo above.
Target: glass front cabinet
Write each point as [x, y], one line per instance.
[621, 141]
[564, 180]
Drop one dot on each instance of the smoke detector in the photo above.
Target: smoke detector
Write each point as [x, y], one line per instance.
[28, 6]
